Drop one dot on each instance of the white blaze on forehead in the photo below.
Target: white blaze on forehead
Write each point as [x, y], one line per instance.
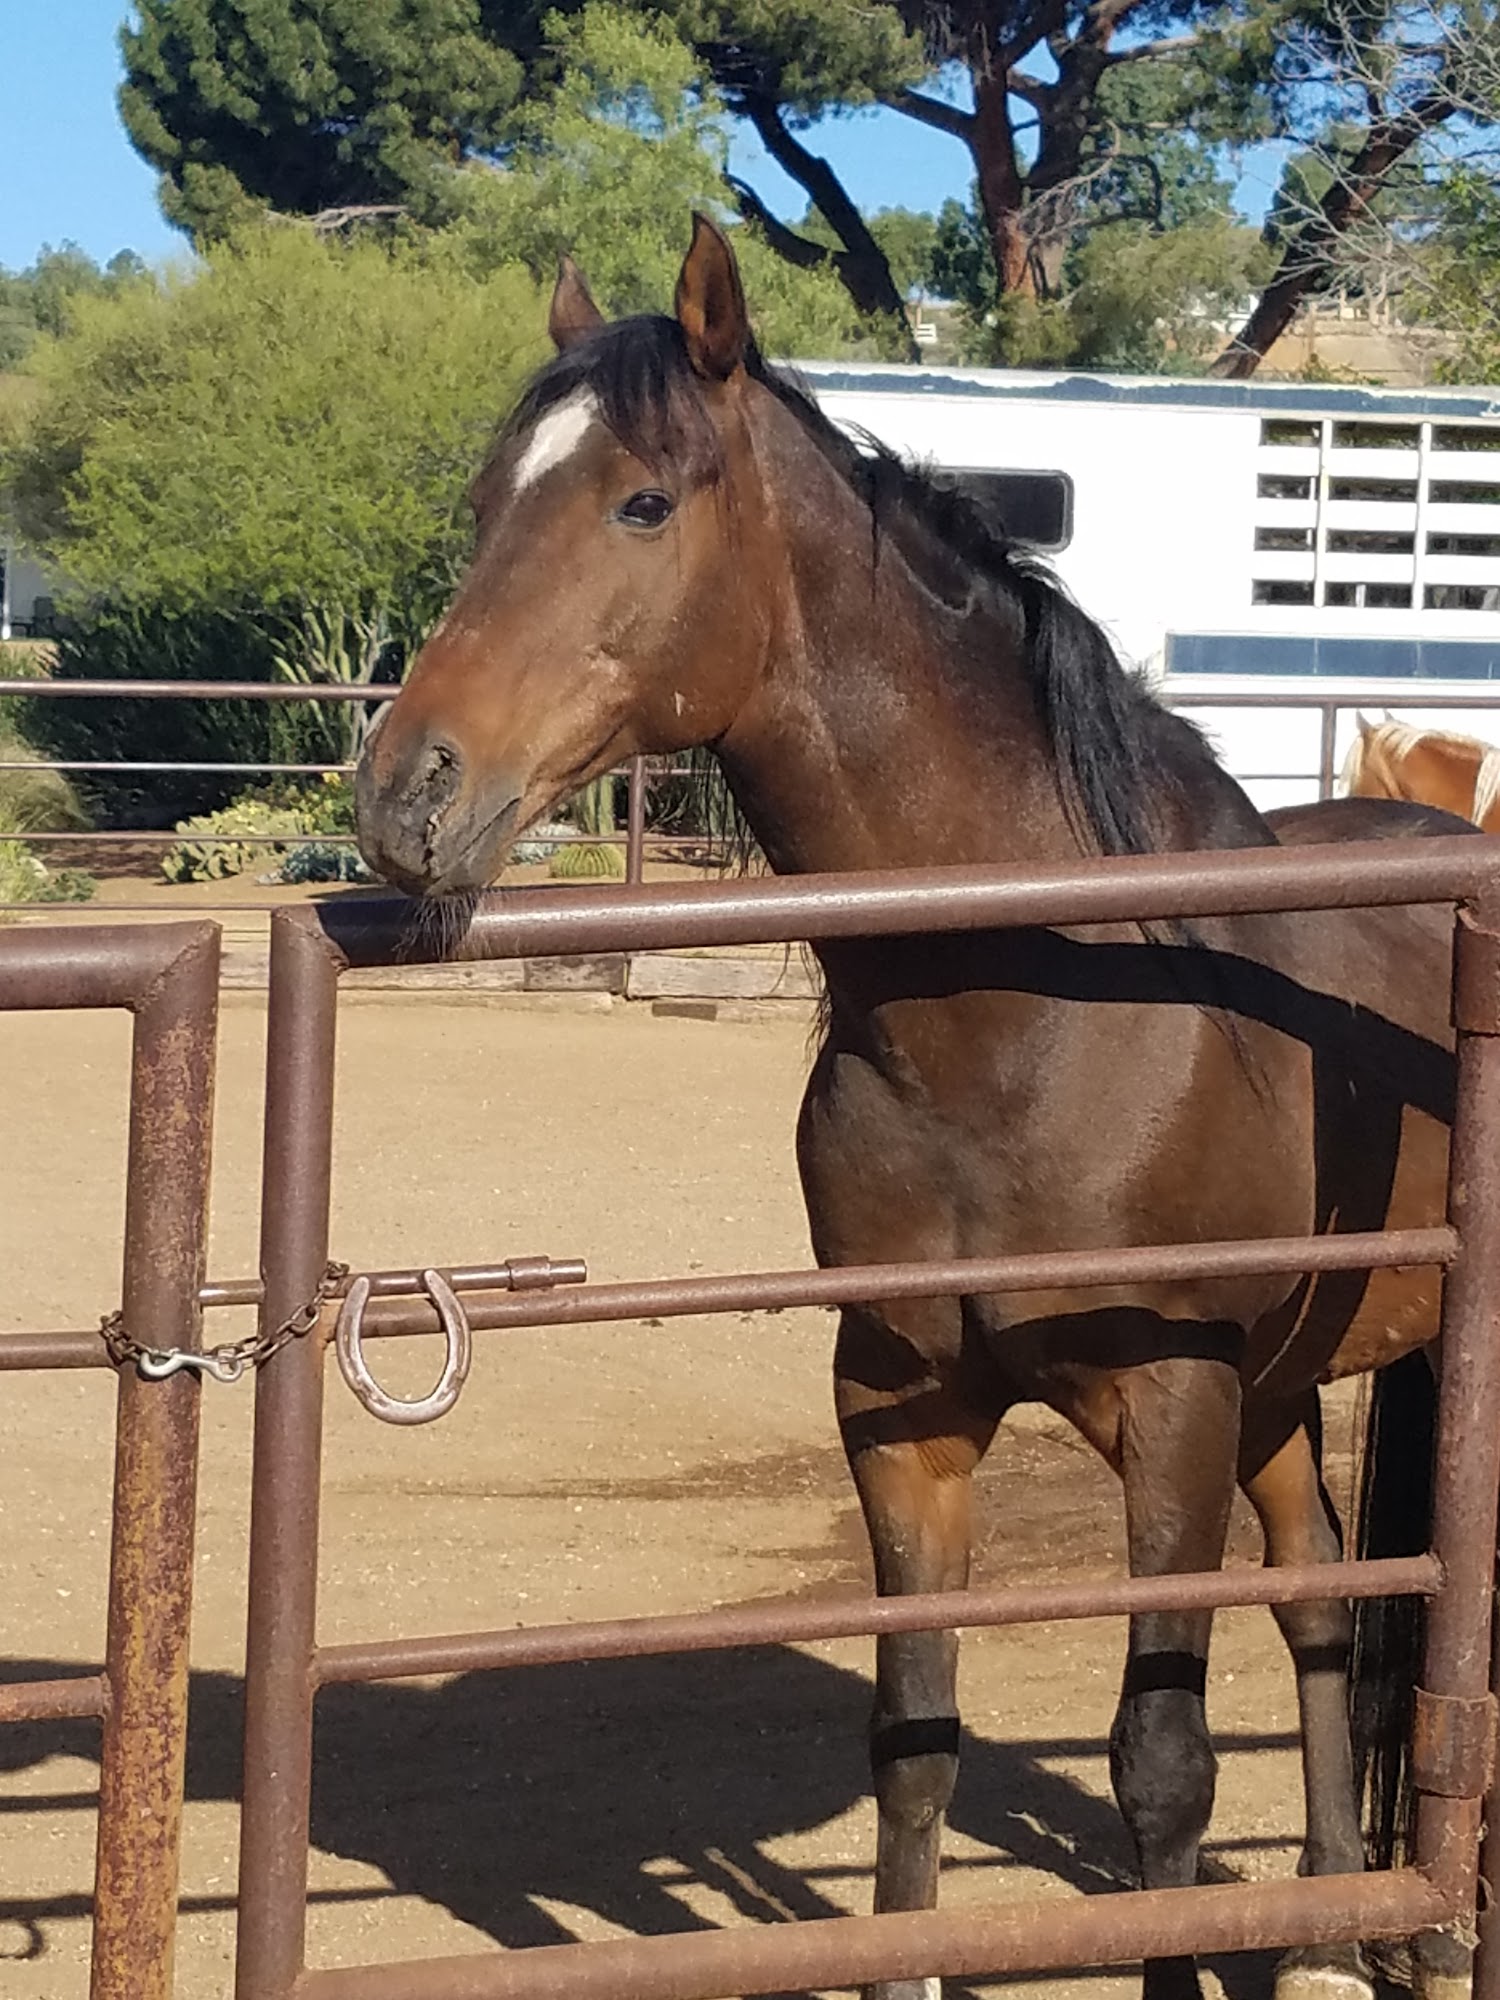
[556, 436]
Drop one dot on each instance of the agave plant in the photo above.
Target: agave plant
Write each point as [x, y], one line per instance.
[337, 648]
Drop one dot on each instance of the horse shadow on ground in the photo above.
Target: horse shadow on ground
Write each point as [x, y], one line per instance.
[607, 1785]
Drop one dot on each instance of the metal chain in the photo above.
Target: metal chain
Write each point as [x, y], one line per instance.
[231, 1358]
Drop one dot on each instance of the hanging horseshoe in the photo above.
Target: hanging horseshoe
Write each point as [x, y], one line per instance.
[356, 1370]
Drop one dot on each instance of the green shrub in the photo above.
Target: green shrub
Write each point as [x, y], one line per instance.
[324, 805]
[37, 800]
[110, 643]
[322, 861]
[229, 850]
[24, 878]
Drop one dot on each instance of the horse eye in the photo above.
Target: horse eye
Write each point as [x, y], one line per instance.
[650, 509]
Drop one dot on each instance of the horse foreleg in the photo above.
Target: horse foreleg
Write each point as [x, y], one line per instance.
[1177, 1450]
[1282, 1474]
[911, 1449]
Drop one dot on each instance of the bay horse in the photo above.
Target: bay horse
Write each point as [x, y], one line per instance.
[674, 549]
[1432, 767]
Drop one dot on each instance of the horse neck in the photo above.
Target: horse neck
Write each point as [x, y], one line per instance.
[888, 729]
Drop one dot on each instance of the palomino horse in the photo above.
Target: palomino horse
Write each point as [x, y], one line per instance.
[675, 548]
[1391, 760]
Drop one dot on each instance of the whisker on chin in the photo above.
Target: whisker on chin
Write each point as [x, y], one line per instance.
[436, 927]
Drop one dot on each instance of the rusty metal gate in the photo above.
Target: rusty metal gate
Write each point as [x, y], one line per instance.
[167, 976]
[286, 1666]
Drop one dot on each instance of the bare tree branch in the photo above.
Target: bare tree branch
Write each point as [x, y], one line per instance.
[1170, 45]
[861, 263]
[932, 111]
[800, 251]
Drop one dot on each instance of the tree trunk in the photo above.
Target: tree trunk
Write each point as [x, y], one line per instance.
[1307, 258]
[1002, 192]
[861, 263]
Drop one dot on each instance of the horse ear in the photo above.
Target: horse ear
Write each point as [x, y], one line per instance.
[573, 315]
[711, 304]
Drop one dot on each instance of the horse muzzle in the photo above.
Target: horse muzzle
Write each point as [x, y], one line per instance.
[423, 827]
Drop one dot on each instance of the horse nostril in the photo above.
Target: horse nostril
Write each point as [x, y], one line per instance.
[437, 781]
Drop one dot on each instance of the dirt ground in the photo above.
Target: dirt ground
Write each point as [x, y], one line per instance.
[587, 1472]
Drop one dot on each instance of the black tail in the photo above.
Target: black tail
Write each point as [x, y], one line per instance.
[1394, 1519]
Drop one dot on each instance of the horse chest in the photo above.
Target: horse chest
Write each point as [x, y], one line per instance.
[1086, 1127]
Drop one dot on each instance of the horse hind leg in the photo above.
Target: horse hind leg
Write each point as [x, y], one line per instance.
[1178, 1439]
[1282, 1475]
[911, 1457]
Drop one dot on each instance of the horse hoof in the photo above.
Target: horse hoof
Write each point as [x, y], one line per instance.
[1327, 1974]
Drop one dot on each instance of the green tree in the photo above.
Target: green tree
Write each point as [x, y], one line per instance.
[41, 298]
[1452, 276]
[249, 469]
[1143, 301]
[906, 238]
[307, 105]
[291, 426]
[608, 161]
[1384, 100]
[1061, 104]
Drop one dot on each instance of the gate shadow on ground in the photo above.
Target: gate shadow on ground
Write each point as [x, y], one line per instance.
[612, 1786]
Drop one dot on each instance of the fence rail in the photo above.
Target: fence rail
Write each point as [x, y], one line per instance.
[640, 773]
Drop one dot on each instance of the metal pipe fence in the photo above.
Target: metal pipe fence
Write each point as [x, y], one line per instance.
[166, 976]
[640, 774]
[285, 1665]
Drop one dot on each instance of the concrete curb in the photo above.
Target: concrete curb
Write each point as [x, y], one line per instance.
[663, 978]
[705, 987]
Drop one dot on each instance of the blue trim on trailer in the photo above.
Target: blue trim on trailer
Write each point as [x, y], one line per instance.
[1346, 659]
[1274, 398]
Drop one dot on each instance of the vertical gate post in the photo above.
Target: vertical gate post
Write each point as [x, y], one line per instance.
[1487, 1958]
[1454, 1716]
[281, 1634]
[635, 824]
[155, 1485]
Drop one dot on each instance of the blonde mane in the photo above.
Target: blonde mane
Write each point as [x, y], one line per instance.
[1373, 766]
[1487, 787]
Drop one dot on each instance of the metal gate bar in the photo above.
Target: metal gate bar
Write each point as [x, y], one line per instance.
[167, 977]
[762, 1624]
[1042, 1935]
[285, 1666]
[850, 1284]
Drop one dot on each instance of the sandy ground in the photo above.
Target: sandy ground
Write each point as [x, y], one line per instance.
[587, 1472]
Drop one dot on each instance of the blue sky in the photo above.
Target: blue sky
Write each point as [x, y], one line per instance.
[67, 171]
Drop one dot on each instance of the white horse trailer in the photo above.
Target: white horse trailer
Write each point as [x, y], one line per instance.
[1280, 556]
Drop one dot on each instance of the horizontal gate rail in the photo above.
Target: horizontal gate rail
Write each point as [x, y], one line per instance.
[859, 1284]
[166, 976]
[285, 1665]
[936, 1611]
[1145, 888]
[1034, 1936]
[401, 1308]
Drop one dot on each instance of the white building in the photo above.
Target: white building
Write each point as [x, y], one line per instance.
[25, 598]
[1331, 549]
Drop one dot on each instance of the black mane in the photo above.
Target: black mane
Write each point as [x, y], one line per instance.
[1125, 763]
